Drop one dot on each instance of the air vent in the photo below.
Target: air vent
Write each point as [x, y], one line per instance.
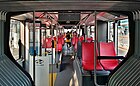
[68, 18]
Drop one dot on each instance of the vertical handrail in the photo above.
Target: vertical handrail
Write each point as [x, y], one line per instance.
[34, 46]
[56, 39]
[79, 30]
[45, 44]
[95, 56]
[95, 31]
[0, 32]
[134, 18]
[2, 25]
[40, 31]
[52, 27]
[115, 37]
[2, 20]
[138, 31]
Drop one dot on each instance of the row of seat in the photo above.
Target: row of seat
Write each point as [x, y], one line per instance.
[105, 50]
[75, 40]
[47, 43]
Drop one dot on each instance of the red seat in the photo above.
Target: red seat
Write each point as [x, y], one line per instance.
[47, 43]
[58, 47]
[54, 38]
[108, 49]
[81, 38]
[59, 44]
[89, 39]
[74, 40]
[88, 57]
[60, 40]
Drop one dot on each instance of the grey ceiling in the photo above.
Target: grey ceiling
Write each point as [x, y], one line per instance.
[49, 5]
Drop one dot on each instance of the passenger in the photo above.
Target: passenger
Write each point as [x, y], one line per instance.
[75, 33]
[68, 39]
[71, 34]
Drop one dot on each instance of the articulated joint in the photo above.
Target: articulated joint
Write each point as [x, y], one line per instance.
[3, 15]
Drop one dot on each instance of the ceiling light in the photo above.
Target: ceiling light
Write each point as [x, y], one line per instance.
[69, 11]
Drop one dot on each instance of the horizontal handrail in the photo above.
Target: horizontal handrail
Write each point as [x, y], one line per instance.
[110, 57]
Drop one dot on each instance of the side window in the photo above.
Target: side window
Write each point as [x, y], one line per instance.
[14, 38]
[123, 37]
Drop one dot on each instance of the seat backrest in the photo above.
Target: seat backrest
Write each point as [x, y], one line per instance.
[81, 38]
[48, 42]
[107, 49]
[89, 39]
[58, 47]
[54, 38]
[60, 40]
[74, 40]
[88, 56]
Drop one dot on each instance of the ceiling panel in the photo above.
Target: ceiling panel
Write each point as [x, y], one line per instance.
[69, 5]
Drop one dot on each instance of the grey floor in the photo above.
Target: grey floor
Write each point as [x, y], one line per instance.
[63, 78]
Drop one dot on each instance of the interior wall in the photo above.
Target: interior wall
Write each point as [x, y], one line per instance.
[102, 30]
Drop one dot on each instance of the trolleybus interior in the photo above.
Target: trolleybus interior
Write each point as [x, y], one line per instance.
[51, 29]
[71, 45]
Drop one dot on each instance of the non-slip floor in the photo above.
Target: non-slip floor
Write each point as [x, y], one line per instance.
[65, 75]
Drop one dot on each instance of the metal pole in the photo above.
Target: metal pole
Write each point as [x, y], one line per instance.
[45, 41]
[57, 40]
[40, 41]
[116, 36]
[19, 42]
[134, 18]
[95, 56]
[95, 78]
[108, 32]
[79, 30]
[52, 27]
[34, 46]
[138, 31]
[1, 32]
[2, 20]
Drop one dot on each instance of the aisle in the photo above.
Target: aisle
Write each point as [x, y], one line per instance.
[63, 78]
